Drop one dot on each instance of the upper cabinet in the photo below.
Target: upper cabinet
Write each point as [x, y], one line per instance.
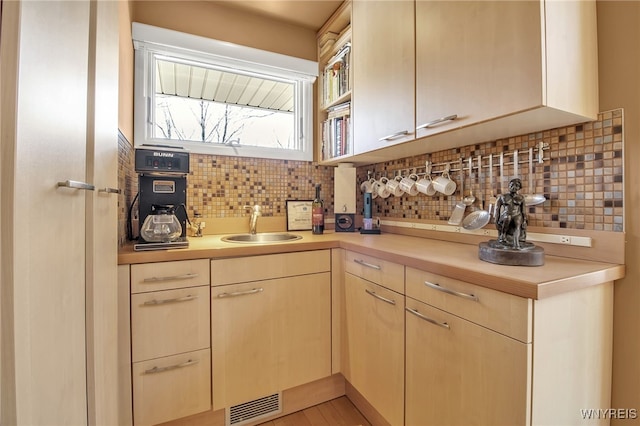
[475, 61]
[433, 75]
[383, 74]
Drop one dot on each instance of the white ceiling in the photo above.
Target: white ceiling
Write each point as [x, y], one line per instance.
[306, 13]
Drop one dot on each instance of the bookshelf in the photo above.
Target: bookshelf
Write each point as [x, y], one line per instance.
[334, 137]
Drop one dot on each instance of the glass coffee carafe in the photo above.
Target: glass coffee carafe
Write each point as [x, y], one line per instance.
[161, 225]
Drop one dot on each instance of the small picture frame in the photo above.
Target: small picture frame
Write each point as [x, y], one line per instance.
[299, 215]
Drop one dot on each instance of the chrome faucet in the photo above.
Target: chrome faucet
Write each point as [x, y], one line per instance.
[255, 213]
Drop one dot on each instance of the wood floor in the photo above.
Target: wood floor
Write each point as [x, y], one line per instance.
[337, 412]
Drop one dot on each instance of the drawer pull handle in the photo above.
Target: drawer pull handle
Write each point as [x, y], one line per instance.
[432, 321]
[75, 184]
[453, 292]
[108, 190]
[437, 121]
[395, 135]
[175, 277]
[240, 293]
[155, 302]
[368, 265]
[377, 296]
[155, 370]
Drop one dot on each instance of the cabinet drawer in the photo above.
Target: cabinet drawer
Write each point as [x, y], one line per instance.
[254, 268]
[168, 275]
[168, 322]
[502, 312]
[169, 388]
[382, 272]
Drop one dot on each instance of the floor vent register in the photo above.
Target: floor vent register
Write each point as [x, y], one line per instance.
[253, 410]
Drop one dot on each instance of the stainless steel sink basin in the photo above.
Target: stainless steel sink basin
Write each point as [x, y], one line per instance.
[262, 238]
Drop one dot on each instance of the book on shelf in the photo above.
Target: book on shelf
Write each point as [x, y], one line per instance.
[336, 132]
[335, 76]
[326, 41]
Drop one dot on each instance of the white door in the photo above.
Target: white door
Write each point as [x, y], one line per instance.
[101, 216]
[47, 125]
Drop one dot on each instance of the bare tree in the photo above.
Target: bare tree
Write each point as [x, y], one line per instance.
[169, 123]
[214, 122]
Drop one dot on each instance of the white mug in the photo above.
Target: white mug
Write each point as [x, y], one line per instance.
[408, 184]
[368, 185]
[444, 184]
[381, 188]
[425, 185]
[393, 185]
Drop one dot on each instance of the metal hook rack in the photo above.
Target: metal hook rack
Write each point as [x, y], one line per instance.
[442, 167]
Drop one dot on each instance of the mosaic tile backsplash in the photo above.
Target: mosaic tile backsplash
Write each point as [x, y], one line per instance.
[221, 186]
[581, 176]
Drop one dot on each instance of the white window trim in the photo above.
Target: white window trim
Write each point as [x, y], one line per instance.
[149, 40]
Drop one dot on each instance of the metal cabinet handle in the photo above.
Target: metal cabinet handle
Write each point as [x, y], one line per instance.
[240, 293]
[171, 367]
[155, 302]
[368, 265]
[110, 190]
[175, 277]
[377, 296]
[432, 321]
[395, 135]
[453, 292]
[437, 121]
[74, 184]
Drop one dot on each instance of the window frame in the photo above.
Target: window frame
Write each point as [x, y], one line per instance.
[150, 41]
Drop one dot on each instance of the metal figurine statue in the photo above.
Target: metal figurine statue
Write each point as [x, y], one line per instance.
[510, 217]
[511, 247]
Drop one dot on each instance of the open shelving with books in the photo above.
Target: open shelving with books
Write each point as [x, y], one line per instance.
[334, 137]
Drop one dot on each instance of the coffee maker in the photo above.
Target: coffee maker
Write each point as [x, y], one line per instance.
[162, 188]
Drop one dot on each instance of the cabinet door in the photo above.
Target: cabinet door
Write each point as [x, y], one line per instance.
[44, 266]
[478, 60]
[459, 373]
[373, 358]
[383, 73]
[268, 336]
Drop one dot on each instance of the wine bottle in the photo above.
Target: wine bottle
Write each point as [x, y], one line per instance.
[317, 213]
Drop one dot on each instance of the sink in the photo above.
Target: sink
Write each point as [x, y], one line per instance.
[263, 238]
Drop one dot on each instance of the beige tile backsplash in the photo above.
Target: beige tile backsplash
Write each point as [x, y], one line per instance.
[581, 176]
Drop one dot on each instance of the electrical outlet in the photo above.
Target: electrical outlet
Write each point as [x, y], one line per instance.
[564, 239]
[485, 232]
[456, 229]
[434, 227]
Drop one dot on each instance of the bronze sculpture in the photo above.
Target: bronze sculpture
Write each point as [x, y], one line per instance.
[510, 217]
[511, 247]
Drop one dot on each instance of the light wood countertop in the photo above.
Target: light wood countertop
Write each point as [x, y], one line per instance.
[456, 260]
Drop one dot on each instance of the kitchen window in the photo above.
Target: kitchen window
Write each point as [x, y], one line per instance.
[218, 98]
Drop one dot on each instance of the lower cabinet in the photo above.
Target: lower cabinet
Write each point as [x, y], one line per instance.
[373, 356]
[170, 340]
[269, 335]
[460, 373]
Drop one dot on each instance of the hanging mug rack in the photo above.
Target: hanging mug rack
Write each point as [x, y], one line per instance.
[482, 161]
[453, 168]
